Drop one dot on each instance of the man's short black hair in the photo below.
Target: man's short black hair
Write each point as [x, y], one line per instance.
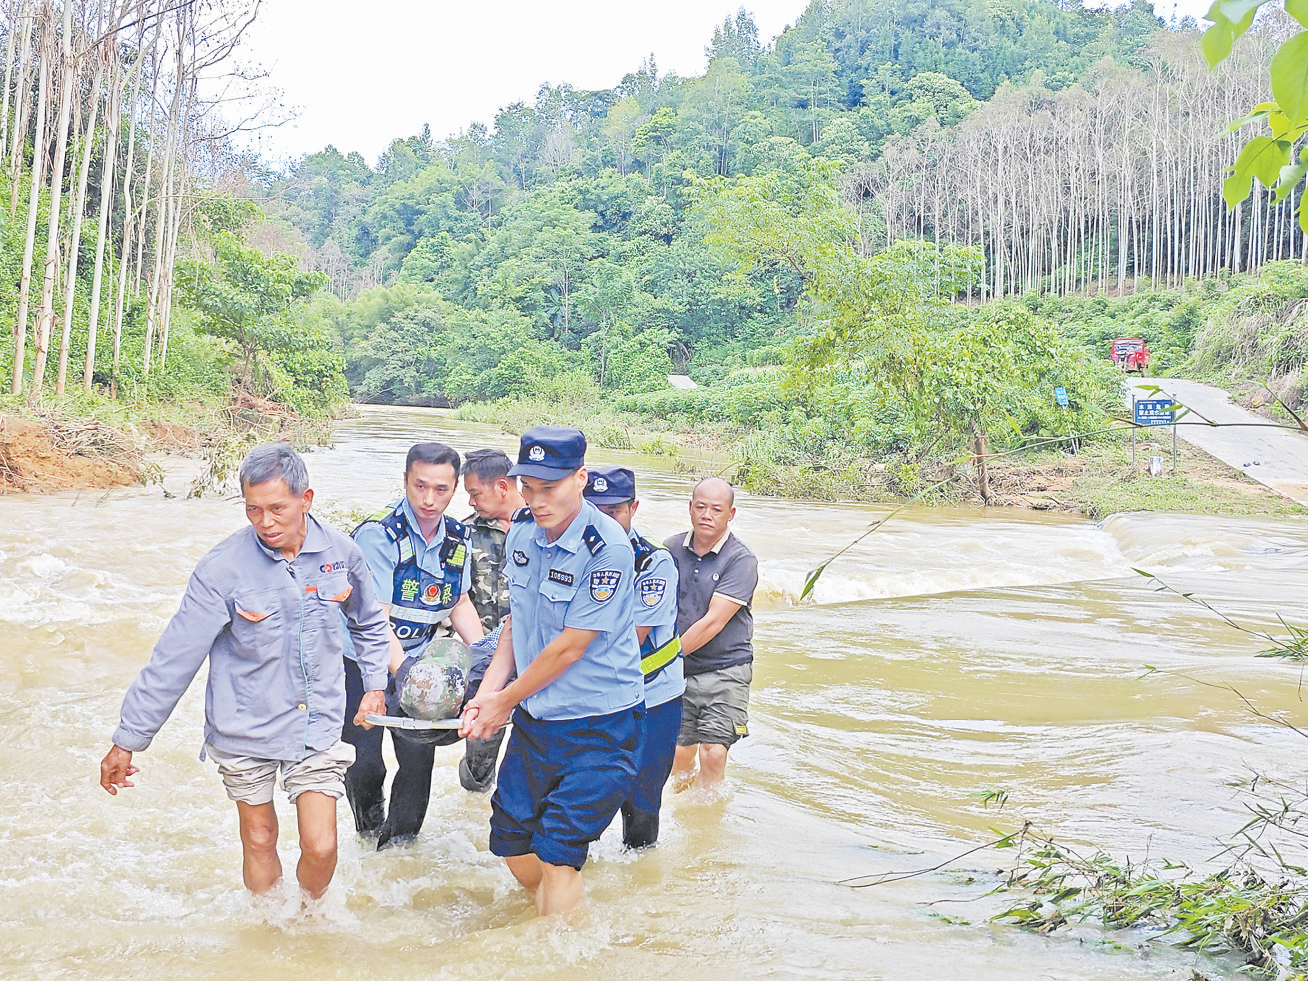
[487, 466]
[431, 453]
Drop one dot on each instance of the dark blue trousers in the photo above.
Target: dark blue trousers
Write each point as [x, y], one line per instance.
[365, 779]
[561, 783]
[658, 745]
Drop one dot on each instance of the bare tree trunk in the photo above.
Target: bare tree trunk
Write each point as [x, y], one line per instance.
[109, 162]
[33, 203]
[145, 183]
[170, 242]
[162, 215]
[46, 315]
[15, 11]
[20, 111]
[128, 221]
[75, 244]
[982, 472]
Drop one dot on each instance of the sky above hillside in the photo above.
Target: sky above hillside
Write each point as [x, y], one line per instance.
[358, 82]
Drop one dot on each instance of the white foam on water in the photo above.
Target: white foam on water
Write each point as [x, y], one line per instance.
[912, 556]
[1202, 543]
[926, 560]
[43, 565]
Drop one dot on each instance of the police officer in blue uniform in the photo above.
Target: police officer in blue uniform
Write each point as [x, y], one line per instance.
[419, 559]
[613, 491]
[579, 694]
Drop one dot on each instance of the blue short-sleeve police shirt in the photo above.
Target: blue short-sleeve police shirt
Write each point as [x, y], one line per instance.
[581, 580]
[382, 557]
[656, 608]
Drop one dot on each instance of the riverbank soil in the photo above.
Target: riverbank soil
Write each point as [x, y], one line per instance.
[42, 455]
[55, 450]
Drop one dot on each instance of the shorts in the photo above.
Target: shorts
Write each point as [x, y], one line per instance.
[250, 780]
[561, 783]
[715, 707]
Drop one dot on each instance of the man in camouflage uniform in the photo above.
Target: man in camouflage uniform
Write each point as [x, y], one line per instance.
[494, 497]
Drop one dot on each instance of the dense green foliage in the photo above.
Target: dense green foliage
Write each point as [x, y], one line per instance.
[596, 241]
[195, 367]
[1242, 327]
[245, 297]
[233, 320]
[572, 232]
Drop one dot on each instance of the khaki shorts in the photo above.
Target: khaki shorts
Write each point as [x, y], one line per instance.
[250, 780]
[715, 708]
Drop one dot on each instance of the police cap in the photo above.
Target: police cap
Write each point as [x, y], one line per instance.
[610, 485]
[550, 452]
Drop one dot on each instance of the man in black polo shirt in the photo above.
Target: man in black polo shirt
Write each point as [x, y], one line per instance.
[716, 577]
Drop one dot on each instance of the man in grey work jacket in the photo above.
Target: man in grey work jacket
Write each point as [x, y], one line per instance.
[265, 608]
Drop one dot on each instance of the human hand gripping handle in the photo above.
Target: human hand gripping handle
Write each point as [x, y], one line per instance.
[116, 769]
[485, 715]
[372, 703]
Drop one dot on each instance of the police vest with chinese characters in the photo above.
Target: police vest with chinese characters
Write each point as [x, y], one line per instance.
[419, 599]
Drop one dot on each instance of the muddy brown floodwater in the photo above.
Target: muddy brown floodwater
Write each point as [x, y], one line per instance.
[953, 652]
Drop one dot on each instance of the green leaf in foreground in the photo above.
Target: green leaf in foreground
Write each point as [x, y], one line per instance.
[1262, 159]
[1289, 71]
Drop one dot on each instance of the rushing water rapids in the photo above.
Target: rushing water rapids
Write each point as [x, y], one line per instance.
[952, 652]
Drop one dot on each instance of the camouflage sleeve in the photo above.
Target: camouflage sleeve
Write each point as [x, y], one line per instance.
[489, 589]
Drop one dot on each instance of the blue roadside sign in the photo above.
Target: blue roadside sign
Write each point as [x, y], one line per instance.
[1155, 412]
[1060, 396]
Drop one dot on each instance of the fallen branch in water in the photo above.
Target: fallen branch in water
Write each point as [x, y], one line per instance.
[1295, 648]
[878, 879]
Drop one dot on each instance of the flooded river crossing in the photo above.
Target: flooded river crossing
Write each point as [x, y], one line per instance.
[953, 652]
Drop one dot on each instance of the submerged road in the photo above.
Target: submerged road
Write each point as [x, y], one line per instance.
[1277, 458]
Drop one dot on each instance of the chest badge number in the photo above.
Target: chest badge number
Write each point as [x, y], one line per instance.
[604, 584]
[519, 557]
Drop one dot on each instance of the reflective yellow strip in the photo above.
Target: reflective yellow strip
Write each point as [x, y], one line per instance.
[660, 658]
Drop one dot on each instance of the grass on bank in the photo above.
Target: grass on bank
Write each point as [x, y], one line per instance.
[1098, 480]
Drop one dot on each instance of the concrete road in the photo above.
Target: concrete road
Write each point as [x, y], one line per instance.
[1275, 457]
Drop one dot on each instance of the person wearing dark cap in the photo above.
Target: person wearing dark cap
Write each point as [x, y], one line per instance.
[418, 556]
[579, 692]
[613, 491]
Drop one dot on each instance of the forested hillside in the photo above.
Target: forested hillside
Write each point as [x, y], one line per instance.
[825, 231]
[567, 238]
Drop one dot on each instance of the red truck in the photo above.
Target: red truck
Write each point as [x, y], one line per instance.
[1129, 354]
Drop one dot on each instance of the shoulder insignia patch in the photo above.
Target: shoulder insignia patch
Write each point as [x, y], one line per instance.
[522, 514]
[603, 584]
[455, 529]
[519, 557]
[593, 539]
[651, 591]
